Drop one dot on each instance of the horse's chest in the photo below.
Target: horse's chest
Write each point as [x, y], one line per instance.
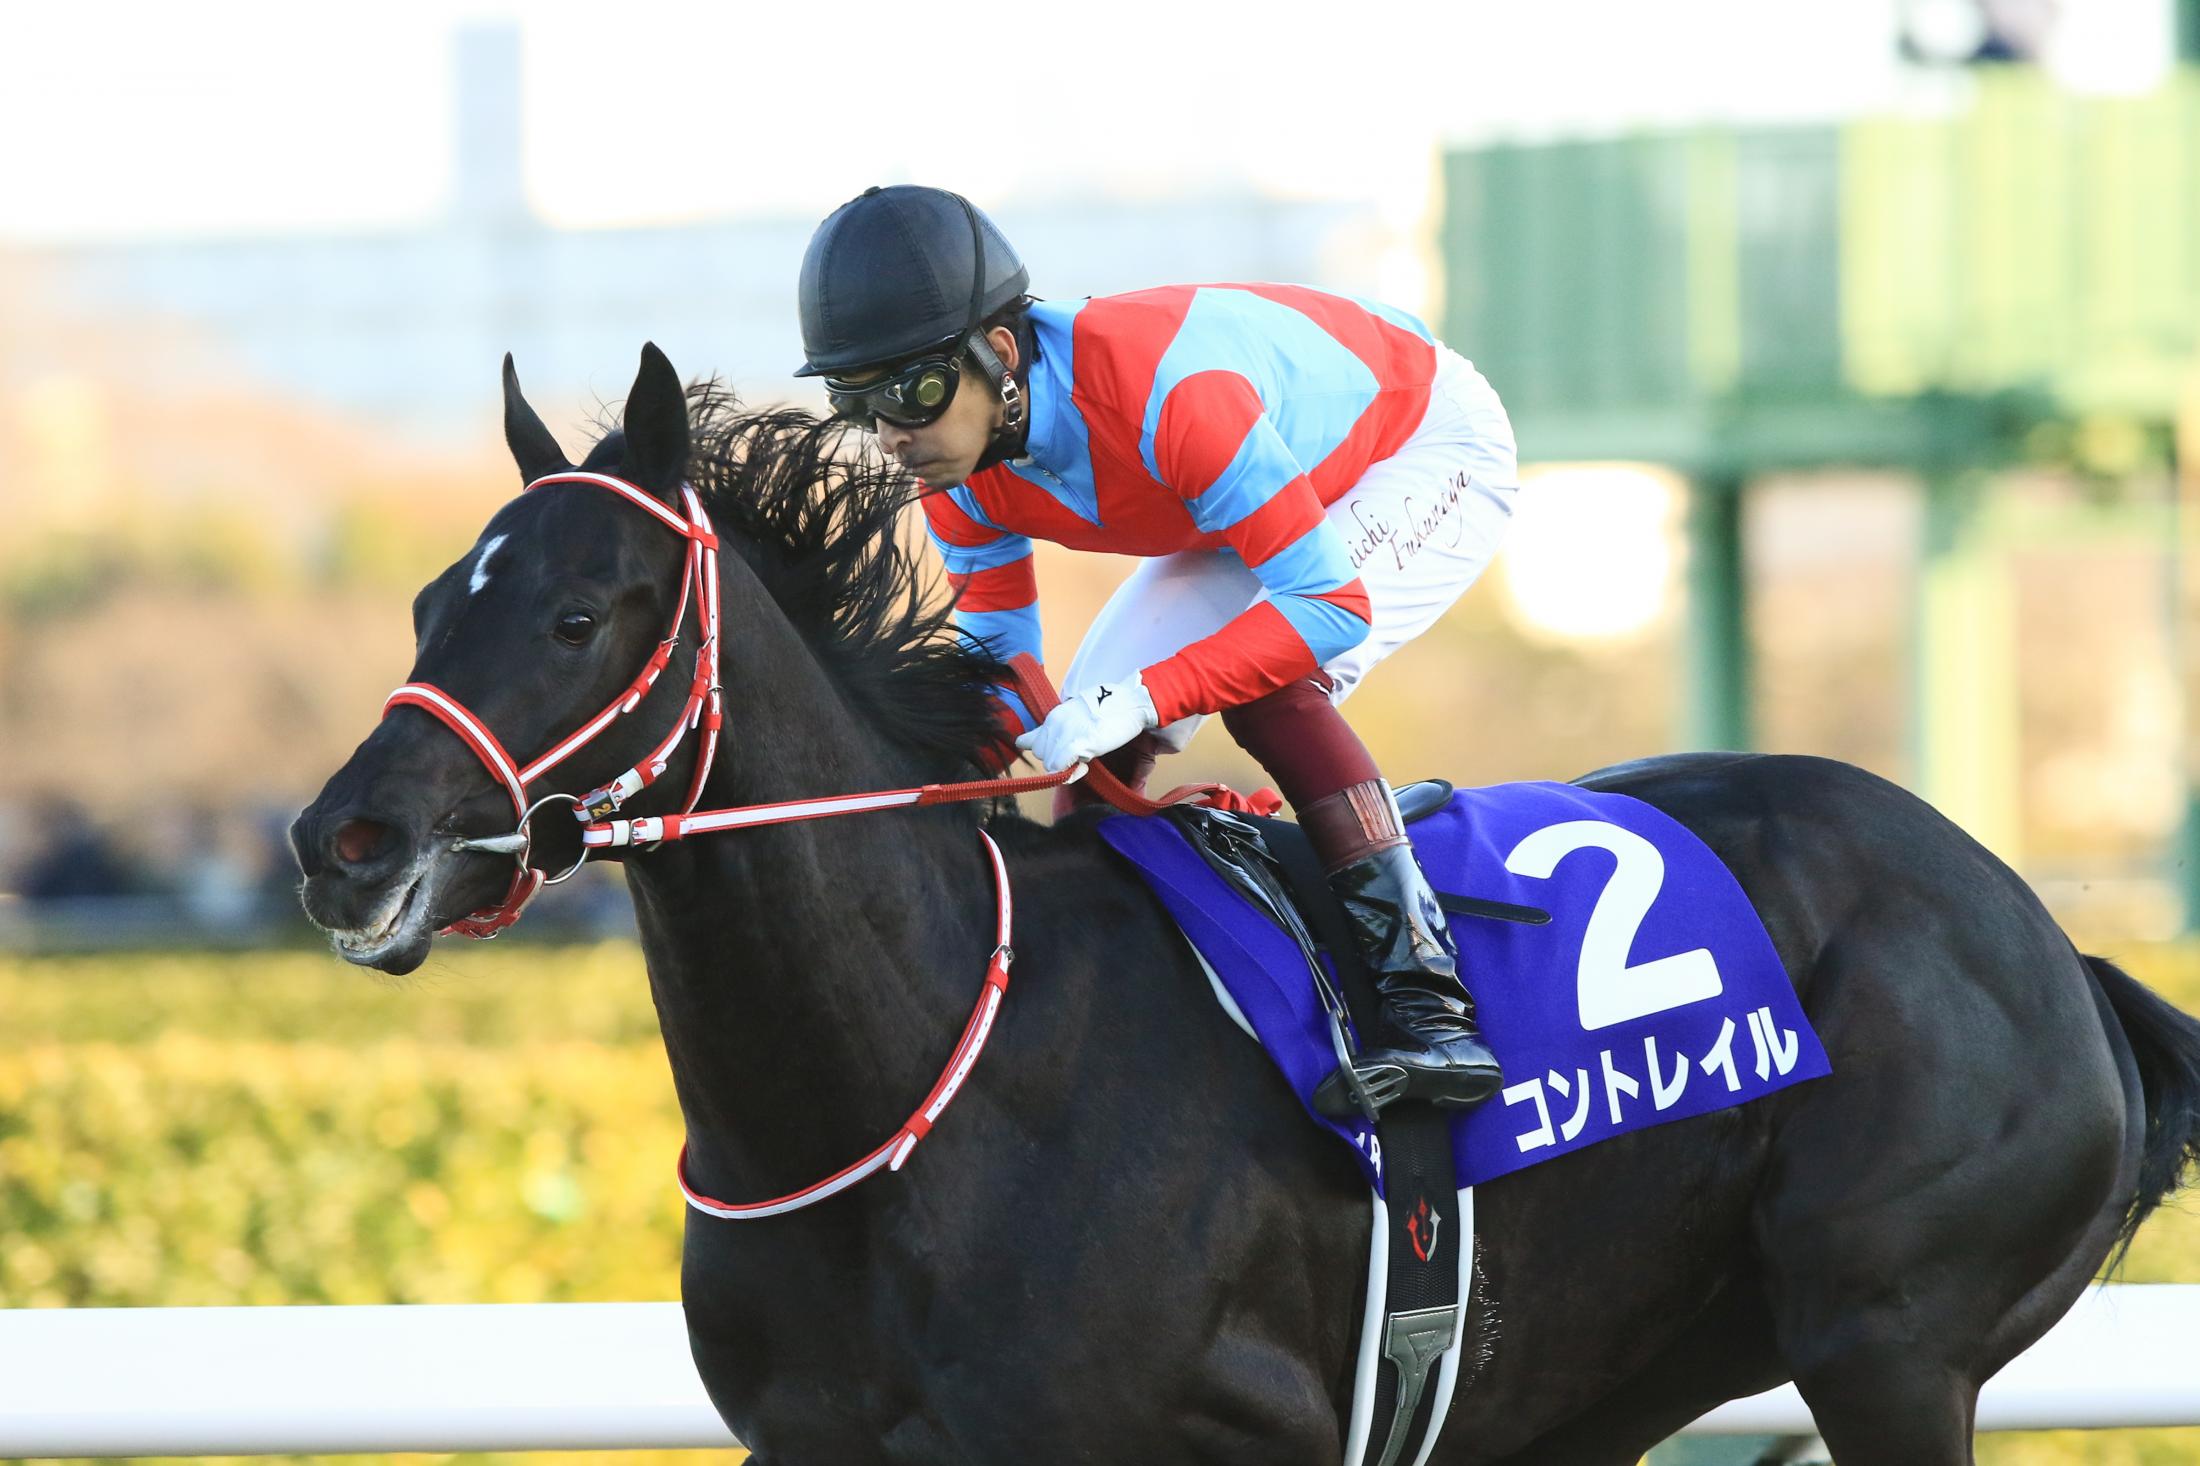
[821, 1353]
[939, 1352]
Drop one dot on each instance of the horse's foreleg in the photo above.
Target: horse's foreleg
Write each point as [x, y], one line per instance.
[1258, 1403]
[1876, 1403]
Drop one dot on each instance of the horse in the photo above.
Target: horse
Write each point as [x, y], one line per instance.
[1126, 1242]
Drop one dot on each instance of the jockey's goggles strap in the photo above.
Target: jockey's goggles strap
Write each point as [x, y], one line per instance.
[973, 336]
[1004, 384]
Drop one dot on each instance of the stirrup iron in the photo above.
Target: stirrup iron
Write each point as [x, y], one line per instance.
[1361, 1089]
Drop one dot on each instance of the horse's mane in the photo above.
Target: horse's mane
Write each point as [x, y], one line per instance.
[822, 525]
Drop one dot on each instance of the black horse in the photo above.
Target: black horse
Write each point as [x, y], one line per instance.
[1125, 1242]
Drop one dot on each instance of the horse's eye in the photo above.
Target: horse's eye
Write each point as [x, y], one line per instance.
[575, 627]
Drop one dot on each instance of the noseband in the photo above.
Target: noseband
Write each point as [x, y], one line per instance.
[704, 711]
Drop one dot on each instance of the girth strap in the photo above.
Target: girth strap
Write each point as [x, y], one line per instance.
[1427, 1246]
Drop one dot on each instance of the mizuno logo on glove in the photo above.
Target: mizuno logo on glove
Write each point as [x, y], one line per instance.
[1085, 727]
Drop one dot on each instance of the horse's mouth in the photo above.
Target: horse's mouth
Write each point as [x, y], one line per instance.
[396, 936]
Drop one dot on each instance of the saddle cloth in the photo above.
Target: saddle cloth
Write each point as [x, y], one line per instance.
[1652, 994]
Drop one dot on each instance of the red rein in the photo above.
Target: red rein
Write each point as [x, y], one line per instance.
[1038, 695]
[704, 712]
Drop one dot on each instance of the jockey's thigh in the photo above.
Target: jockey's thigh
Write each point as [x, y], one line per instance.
[1421, 526]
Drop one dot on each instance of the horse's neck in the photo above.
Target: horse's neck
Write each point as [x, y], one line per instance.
[809, 978]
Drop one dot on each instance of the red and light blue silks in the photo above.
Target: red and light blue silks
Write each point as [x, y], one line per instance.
[1196, 416]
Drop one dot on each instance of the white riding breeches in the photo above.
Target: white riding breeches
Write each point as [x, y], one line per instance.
[1422, 525]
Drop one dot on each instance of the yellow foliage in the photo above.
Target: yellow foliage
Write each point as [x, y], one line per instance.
[198, 1170]
[278, 1128]
[2094, 1448]
[442, 1458]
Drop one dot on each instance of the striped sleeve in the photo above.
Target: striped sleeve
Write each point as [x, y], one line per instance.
[990, 570]
[1214, 445]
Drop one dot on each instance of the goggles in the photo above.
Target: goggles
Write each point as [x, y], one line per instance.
[909, 396]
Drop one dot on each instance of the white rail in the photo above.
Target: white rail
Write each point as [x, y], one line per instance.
[606, 1376]
[424, 1377]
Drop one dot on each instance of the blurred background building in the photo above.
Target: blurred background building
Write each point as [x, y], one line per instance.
[1852, 350]
[404, 327]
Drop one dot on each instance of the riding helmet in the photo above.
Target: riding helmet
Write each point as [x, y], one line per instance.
[897, 271]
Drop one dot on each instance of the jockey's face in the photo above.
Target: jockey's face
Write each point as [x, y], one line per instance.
[946, 451]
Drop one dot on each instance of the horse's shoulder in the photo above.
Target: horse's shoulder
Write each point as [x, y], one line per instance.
[1067, 871]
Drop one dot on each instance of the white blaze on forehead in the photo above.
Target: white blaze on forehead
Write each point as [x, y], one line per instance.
[480, 576]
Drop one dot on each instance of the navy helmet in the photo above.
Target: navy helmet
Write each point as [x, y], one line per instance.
[898, 272]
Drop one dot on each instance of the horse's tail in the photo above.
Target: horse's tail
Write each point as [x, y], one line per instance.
[2165, 1042]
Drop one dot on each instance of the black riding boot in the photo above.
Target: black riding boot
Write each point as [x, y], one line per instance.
[1425, 1044]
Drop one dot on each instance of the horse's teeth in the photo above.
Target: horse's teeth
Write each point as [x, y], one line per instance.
[366, 938]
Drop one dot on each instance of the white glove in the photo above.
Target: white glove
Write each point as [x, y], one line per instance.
[1095, 721]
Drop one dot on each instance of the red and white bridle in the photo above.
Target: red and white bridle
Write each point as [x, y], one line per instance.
[704, 711]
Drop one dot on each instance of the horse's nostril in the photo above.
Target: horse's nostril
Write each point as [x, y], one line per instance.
[357, 841]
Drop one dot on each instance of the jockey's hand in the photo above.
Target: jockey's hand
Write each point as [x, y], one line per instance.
[1092, 722]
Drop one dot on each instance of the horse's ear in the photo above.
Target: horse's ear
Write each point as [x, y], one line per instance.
[536, 452]
[657, 425]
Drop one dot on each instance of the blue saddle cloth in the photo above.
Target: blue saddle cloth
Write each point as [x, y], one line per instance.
[1653, 993]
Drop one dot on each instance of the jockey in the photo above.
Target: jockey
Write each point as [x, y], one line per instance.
[1311, 479]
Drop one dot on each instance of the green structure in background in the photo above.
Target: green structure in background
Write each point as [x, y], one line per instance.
[1935, 296]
